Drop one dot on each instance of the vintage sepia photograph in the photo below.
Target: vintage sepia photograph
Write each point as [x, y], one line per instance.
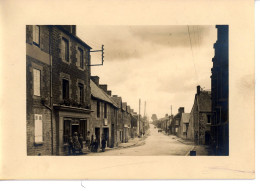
[127, 90]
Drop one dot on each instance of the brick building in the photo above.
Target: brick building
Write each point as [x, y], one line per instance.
[58, 88]
[220, 93]
[200, 118]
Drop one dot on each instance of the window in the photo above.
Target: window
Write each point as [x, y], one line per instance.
[36, 34]
[65, 89]
[81, 62]
[208, 118]
[36, 82]
[98, 109]
[38, 128]
[65, 49]
[66, 131]
[177, 122]
[105, 110]
[81, 93]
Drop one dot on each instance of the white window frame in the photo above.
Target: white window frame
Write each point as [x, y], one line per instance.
[38, 130]
[36, 82]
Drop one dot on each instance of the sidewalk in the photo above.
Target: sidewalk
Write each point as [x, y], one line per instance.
[132, 142]
[201, 150]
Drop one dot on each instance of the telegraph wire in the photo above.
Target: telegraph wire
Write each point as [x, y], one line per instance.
[193, 55]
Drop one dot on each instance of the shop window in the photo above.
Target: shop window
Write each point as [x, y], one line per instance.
[66, 131]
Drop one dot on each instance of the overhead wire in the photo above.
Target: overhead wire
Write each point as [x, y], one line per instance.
[193, 56]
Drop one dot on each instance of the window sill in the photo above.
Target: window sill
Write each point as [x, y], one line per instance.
[38, 143]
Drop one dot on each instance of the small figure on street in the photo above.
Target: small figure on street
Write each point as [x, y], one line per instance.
[71, 146]
[81, 141]
[96, 145]
[88, 141]
[92, 144]
[77, 146]
[103, 142]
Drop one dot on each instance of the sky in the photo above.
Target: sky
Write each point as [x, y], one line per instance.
[161, 65]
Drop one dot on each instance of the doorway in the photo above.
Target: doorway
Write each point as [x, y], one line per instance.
[207, 138]
[97, 134]
[106, 135]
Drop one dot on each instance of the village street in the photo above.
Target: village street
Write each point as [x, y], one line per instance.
[155, 144]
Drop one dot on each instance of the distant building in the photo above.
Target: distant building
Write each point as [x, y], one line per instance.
[184, 125]
[176, 121]
[220, 93]
[200, 118]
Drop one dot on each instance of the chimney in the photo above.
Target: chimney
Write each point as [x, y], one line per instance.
[198, 90]
[114, 95]
[95, 79]
[181, 110]
[109, 92]
[103, 87]
[166, 115]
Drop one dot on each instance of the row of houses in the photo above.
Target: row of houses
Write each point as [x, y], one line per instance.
[194, 126]
[207, 122]
[63, 98]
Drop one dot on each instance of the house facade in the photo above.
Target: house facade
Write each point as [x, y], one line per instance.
[58, 88]
[200, 118]
[176, 121]
[103, 119]
[184, 125]
[220, 93]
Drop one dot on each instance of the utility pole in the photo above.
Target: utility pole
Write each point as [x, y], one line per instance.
[139, 116]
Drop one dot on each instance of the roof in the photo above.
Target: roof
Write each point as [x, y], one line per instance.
[124, 105]
[117, 101]
[185, 117]
[100, 94]
[204, 101]
[73, 36]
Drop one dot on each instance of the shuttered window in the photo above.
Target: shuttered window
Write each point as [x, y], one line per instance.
[65, 49]
[38, 136]
[36, 82]
[36, 34]
[81, 62]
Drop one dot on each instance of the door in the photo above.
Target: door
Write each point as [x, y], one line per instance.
[207, 138]
[97, 134]
[106, 134]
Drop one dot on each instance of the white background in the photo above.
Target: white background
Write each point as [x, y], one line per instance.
[154, 185]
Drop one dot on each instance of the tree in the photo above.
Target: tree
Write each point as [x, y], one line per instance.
[154, 117]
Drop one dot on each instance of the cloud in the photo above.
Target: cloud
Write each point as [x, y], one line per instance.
[154, 63]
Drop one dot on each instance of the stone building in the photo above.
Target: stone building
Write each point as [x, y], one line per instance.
[120, 119]
[200, 118]
[38, 71]
[220, 93]
[58, 88]
[184, 125]
[175, 124]
[103, 117]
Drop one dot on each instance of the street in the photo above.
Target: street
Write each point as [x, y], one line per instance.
[155, 144]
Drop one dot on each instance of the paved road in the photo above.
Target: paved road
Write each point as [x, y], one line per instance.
[155, 144]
